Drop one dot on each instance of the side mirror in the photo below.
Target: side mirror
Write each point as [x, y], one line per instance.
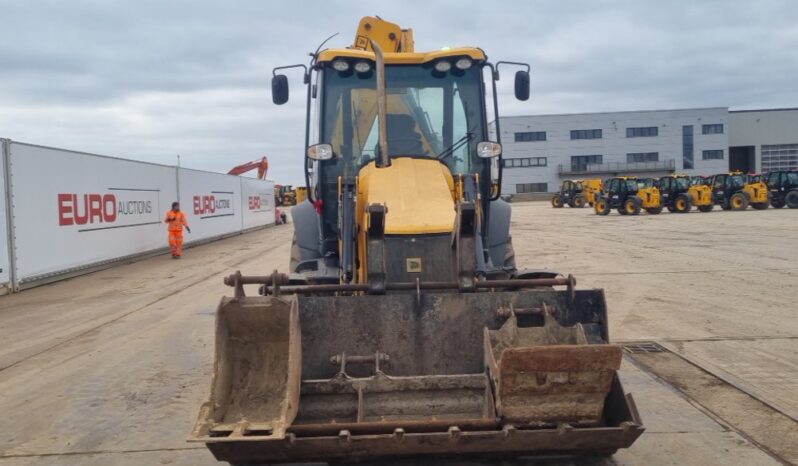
[320, 152]
[488, 150]
[521, 85]
[280, 89]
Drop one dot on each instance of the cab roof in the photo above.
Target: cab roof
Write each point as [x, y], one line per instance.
[403, 58]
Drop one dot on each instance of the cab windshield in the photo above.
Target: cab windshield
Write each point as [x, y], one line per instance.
[430, 114]
[681, 183]
[736, 181]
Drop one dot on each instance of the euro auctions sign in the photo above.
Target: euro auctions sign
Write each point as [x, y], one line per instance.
[260, 202]
[214, 204]
[113, 208]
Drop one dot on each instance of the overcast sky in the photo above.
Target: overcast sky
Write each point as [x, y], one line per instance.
[152, 79]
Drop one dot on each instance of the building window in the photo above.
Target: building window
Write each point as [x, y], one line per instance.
[712, 154]
[532, 188]
[530, 136]
[525, 162]
[779, 157]
[646, 132]
[579, 163]
[687, 147]
[586, 134]
[712, 129]
[637, 157]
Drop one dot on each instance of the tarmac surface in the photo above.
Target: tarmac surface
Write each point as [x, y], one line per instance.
[111, 367]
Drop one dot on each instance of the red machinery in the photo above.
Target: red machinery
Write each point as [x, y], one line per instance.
[262, 165]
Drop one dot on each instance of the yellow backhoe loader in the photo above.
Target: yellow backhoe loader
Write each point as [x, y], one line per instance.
[403, 326]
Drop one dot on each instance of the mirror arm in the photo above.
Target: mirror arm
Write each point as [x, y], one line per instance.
[309, 103]
[516, 63]
[495, 73]
[305, 80]
[305, 75]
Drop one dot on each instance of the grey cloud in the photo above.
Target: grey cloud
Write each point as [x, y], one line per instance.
[152, 79]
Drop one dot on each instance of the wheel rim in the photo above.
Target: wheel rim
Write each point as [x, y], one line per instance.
[737, 202]
[630, 208]
[680, 204]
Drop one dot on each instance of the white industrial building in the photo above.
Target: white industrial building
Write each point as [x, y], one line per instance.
[540, 151]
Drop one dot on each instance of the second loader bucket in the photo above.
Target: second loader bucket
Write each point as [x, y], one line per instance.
[256, 377]
[549, 374]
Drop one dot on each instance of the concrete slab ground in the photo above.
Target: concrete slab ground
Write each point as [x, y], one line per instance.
[110, 368]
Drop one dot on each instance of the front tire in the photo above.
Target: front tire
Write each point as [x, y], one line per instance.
[579, 202]
[602, 207]
[682, 204]
[632, 205]
[791, 199]
[556, 202]
[739, 201]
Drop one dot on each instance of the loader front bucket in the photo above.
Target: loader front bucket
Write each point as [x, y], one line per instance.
[437, 373]
[256, 372]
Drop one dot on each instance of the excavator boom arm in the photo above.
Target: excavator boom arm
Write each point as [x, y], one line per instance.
[261, 165]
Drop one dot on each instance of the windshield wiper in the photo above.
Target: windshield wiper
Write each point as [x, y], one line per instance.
[457, 144]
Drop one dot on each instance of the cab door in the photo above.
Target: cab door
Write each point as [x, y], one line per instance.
[665, 189]
[614, 192]
[719, 188]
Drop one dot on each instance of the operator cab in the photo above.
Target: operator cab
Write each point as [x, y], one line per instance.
[381, 104]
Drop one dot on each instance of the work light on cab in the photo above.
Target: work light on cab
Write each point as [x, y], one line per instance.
[340, 65]
[443, 66]
[463, 64]
[362, 67]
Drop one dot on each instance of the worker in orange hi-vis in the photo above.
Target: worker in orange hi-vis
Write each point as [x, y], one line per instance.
[176, 221]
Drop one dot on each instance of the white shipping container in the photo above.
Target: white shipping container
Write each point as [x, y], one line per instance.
[73, 210]
[5, 263]
[257, 202]
[211, 202]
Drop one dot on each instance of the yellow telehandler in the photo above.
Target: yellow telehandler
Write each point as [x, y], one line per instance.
[403, 326]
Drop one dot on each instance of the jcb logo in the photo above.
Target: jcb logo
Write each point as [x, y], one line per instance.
[254, 202]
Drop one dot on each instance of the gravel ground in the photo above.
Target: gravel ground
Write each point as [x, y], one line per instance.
[110, 368]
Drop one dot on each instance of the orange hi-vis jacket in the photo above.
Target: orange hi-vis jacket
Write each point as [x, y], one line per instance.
[176, 220]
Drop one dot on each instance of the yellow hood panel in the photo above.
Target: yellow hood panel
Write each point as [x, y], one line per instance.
[418, 193]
